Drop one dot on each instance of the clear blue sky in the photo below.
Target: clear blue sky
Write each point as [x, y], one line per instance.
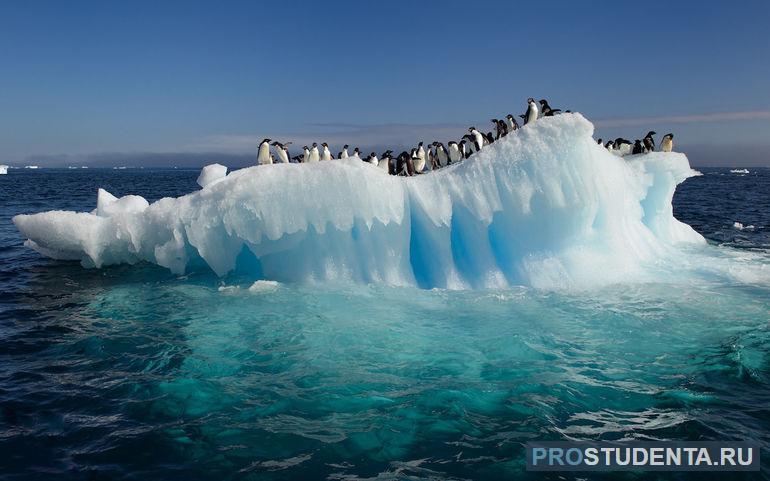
[80, 78]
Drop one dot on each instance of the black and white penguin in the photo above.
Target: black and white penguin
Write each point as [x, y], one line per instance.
[314, 156]
[512, 123]
[667, 144]
[305, 154]
[441, 154]
[531, 114]
[344, 153]
[478, 137]
[546, 109]
[638, 148]
[649, 142]
[622, 146]
[463, 146]
[420, 161]
[430, 158]
[357, 153]
[263, 153]
[453, 150]
[385, 161]
[610, 145]
[325, 152]
[599, 141]
[282, 151]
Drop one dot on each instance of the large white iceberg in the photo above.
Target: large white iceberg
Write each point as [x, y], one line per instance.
[545, 207]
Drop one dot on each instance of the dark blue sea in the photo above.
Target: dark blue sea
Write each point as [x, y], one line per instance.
[132, 372]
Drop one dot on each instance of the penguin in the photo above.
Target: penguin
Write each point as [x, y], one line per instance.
[610, 145]
[489, 138]
[454, 152]
[649, 142]
[344, 153]
[430, 158]
[263, 153]
[531, 114]
[326, 153]
[282, 151]
[667, 144]
[599, 141]
[512, 123]
[314, 156]
[419, 164]
[622, 146]
[638, 149]
[546, 109]
[384, 162]
[419, 160]
[305, 154]
[463, 146]
[470, 144]
[441, 155]
[478, 137]
[357, 153]
[372, 159]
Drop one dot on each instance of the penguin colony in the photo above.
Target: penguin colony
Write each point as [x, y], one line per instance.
[433, 156]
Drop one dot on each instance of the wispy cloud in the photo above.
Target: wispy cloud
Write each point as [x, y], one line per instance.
[685, 119]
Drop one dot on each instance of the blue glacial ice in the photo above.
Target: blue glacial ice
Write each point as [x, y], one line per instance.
[546, 207]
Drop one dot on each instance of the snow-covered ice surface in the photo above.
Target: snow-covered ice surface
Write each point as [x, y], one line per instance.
[546, 207]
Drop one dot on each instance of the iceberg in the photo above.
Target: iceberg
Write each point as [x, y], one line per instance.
[545, 207]
[3, 169]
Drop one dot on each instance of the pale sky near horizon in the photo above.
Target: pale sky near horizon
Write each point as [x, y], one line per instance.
[82, 81]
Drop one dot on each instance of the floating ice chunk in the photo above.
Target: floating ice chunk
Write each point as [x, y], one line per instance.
[739, 226]
[544, 207]
[3, 169]
[739, 171]
[107, 205]
[264, 286]
[211, 174]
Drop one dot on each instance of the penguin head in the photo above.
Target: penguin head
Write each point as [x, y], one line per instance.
[325, 144]
[530, 100]
[509, 116]
[651, 133]
[637, 142]
[543, 102]
[275, 143]
[419, 145]
[471, 129]
[266, 141]
[670, 136]
[345, 146]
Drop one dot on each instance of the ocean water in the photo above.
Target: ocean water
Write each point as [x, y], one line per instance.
[131, 372]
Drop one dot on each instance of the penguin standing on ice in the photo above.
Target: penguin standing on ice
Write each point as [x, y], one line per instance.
[512, 123]
[649, 142]
[463, 146]
[531, 114]
[344, 153]
[314, 156]
[622, 146]
[441, 154]
[478, 137]
[546, 109]
[454, 152]
[357, 153]
[667, 144]
[610, 145]
[372, 159]
[421, 161]
[263, 154]
[638, 149]
[282, 151]
[325, 152]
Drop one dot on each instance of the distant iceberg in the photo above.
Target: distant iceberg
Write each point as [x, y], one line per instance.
[739, 171]
[3, 169]
[544, 207]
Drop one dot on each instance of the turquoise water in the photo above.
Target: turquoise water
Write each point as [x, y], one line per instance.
[132, 372]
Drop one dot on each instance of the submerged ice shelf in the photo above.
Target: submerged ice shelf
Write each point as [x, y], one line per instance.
[544, 207]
